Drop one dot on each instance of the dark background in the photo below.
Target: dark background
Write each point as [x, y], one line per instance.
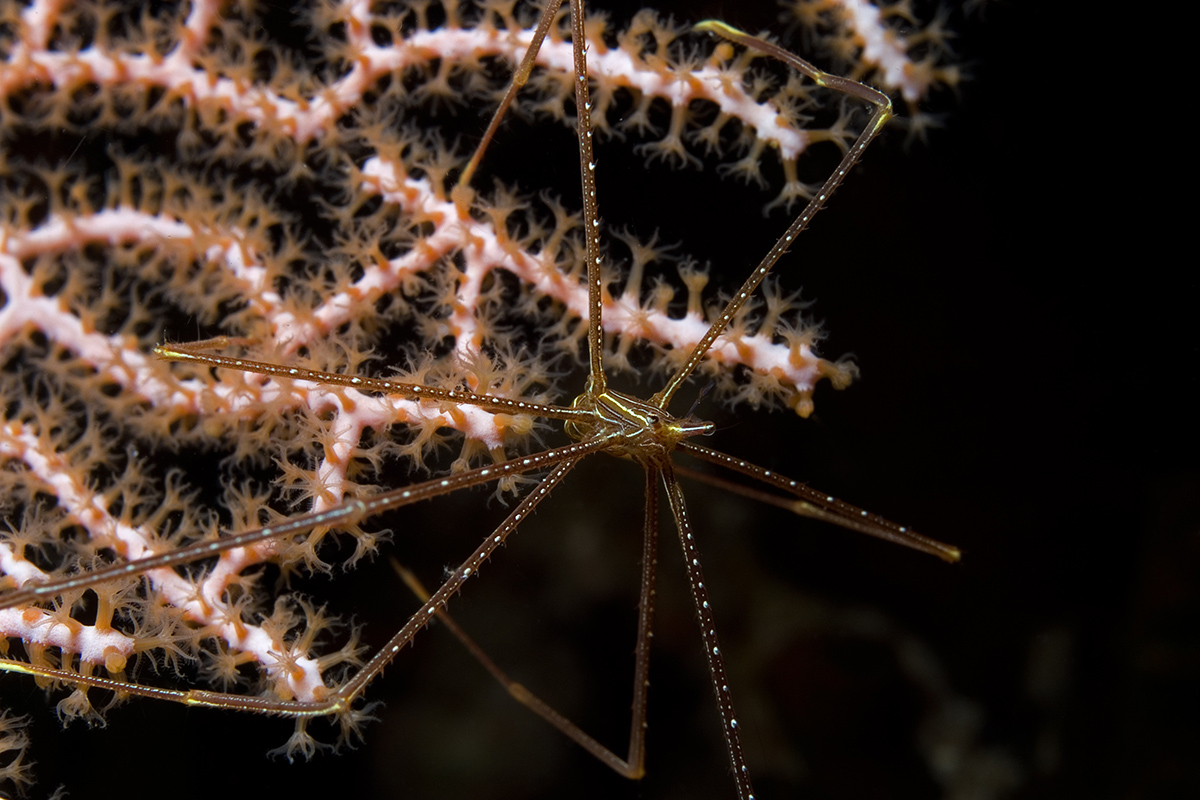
[1025, 377]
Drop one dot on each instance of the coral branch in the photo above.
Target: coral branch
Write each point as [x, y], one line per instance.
[168, 174]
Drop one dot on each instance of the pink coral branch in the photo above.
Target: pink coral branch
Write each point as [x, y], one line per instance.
[795, 365]
[203, 604]
[155, 244]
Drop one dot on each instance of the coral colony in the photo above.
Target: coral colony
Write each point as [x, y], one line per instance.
[288, 186]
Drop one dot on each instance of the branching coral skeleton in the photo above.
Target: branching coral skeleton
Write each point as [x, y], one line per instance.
[86, 262]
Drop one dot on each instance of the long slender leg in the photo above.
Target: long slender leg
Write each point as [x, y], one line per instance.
[633, 765]
[813, 503]
[708, 633]
[597, 383]
[641, 672]
[883, 112]
[196, 353]
[462, 193]
[340, 701]
[346, 513]
[352, 688]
